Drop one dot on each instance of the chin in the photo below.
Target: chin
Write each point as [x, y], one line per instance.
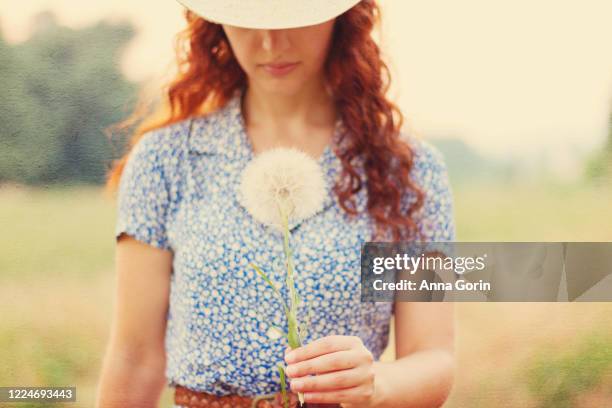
[282, 87]
[282, 90]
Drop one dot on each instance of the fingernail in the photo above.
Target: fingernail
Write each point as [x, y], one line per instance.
[296, 385]
[290, 357]
[289, 370]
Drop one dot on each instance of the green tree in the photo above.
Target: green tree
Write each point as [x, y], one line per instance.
[599, 167]
[62, 89]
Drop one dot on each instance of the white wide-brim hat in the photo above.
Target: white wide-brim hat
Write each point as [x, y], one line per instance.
[268, 14]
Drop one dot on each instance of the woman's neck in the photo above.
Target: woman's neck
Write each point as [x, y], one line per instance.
[311, 107]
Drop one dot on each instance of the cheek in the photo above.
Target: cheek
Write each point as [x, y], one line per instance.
[315, 48]
[243, 52]
[245, 59]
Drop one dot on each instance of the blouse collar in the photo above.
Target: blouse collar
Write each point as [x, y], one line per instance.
[224, 133]
[219, 132]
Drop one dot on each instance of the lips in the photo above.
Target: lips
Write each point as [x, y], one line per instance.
[281, 65]
[280, 69]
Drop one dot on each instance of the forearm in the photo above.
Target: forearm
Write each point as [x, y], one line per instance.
[130, 382]
[420, 380]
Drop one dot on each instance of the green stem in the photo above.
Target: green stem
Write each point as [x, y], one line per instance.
[272, 285]
[281, 372]
[293, 335]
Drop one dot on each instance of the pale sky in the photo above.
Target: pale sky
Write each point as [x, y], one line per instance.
[508, 77]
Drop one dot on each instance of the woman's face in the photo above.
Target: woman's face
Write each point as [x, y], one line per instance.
[305, 48]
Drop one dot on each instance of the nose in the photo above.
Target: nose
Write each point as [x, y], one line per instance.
[274, 40]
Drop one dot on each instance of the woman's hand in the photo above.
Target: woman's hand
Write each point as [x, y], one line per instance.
[343, 368]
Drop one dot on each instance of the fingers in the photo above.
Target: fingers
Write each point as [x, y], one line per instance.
[333, 381]
[340, 360]
[323, 345]
[356, 395]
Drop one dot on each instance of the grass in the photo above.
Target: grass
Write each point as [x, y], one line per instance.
[61, 233]
[558, 379]
[500, 346]
[549, 213]
[57, 282]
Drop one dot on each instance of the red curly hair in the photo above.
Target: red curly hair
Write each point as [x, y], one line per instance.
[208, 75]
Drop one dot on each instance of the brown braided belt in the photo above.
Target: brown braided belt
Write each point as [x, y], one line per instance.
[196, 399]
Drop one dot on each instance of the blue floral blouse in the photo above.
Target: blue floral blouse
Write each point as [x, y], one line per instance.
[178, 192]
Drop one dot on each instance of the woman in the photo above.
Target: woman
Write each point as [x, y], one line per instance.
[189, 311]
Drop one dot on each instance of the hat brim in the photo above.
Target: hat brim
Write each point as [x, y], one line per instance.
[268, 14]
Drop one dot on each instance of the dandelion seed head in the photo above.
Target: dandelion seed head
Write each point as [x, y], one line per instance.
[285, 178]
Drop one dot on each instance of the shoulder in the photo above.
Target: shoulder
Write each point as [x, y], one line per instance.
[170, 144]
[430, 173]
[157, 156]
[164, 143]
[162, 147]
[429, 164]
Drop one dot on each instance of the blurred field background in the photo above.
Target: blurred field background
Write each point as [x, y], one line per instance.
[57, 293]
[63, 86]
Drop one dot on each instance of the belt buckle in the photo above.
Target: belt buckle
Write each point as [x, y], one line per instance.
[262, 397]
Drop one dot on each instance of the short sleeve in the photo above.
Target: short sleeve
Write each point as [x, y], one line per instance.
[144, 195]
[435, 220]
